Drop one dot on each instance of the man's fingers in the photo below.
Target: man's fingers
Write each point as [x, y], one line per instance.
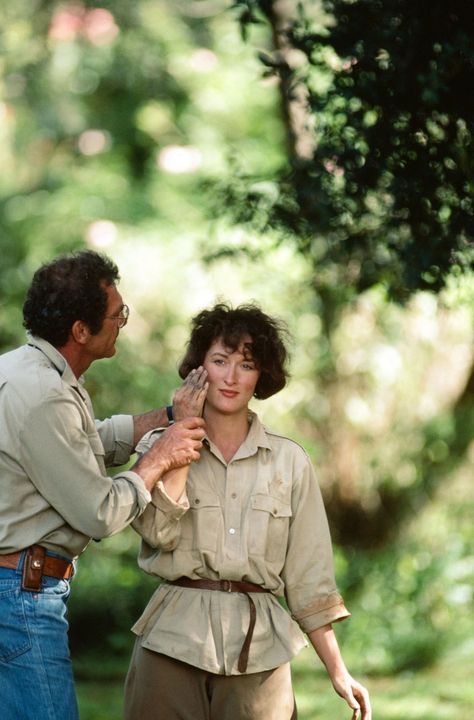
[196, 379]
[203, 389]
[188, 400]
[190, 423]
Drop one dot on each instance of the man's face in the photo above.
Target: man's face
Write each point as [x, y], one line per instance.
[102, 345]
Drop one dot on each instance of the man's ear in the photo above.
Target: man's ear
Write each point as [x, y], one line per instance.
[80, 332]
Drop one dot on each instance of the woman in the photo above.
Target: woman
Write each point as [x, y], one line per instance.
[230, 535]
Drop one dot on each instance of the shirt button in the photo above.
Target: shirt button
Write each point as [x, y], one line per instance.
[233, 496]
[197, 501]
[231, 531]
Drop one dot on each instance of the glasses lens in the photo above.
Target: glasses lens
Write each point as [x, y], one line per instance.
[123, 317]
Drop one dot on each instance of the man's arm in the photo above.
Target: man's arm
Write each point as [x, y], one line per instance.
[148, 421]
[178, 446]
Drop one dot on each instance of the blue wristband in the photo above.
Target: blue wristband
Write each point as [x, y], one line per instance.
[169, 414]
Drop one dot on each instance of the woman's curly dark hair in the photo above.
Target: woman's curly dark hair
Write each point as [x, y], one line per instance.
[228, 324]
[69, 288]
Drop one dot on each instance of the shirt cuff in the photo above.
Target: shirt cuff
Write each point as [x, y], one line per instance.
[145, 443]
[163, 502]
[143, 495]
[323, 611]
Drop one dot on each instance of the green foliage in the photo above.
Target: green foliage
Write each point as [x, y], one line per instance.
[110, 116]
[400, 624]
[414, 598]
[385, 193]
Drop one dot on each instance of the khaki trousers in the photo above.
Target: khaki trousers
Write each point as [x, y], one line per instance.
[162, 688]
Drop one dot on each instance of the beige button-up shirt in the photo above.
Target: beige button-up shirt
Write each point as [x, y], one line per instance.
[54, 489]
[259, 518]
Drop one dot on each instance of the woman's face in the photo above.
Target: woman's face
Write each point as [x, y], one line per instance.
[232, 377]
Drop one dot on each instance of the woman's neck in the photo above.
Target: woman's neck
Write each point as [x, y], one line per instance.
[227, 432]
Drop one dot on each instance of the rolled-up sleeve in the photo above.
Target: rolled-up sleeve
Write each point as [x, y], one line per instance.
[159, 524]
[116, 434]
[309, 578]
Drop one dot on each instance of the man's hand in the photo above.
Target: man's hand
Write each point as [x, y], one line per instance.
[188, 400]
[178, 445]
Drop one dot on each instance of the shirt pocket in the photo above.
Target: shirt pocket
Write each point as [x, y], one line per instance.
[268, 527]
[202, 525]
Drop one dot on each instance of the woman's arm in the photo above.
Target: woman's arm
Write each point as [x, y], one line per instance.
[325, 643]
[174, 482]
[160, 523]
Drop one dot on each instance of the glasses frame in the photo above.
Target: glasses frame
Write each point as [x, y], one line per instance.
[121, 319]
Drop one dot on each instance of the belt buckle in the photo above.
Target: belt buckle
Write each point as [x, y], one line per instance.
[227, 585]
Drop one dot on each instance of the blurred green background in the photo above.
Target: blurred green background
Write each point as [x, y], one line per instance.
[316, 158]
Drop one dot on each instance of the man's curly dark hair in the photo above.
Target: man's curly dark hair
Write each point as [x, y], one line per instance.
[69, 288]
[267, 347]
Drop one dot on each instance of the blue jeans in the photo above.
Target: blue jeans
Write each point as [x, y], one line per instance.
[36, 680]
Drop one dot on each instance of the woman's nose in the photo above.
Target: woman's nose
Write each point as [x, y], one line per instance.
[230, 375]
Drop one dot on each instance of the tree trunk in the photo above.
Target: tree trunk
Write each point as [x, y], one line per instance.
[294, 94]
[354, 525]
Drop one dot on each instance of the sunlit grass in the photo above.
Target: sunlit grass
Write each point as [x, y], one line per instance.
[445, 692]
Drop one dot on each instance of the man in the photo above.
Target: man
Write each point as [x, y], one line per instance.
[55, 494]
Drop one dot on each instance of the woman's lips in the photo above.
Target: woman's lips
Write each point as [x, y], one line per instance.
[229, 393]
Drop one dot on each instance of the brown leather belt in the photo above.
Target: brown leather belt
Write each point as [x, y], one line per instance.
[229, 586]
[37, 563]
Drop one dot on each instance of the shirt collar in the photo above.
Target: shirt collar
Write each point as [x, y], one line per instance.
[256, 438]
[56, 359]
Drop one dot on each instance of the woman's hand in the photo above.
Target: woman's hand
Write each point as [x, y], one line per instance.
[355, 695]
[188, 400]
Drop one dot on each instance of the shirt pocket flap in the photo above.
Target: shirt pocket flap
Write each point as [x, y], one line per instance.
[272, 505]
[203, 499]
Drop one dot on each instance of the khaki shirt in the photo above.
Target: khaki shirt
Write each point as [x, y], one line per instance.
[54, 489]
[259, 518]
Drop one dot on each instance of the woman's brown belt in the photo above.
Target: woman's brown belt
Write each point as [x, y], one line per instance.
[229, 586]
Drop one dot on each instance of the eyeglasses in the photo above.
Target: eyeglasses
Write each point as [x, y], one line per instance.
[122, 319]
